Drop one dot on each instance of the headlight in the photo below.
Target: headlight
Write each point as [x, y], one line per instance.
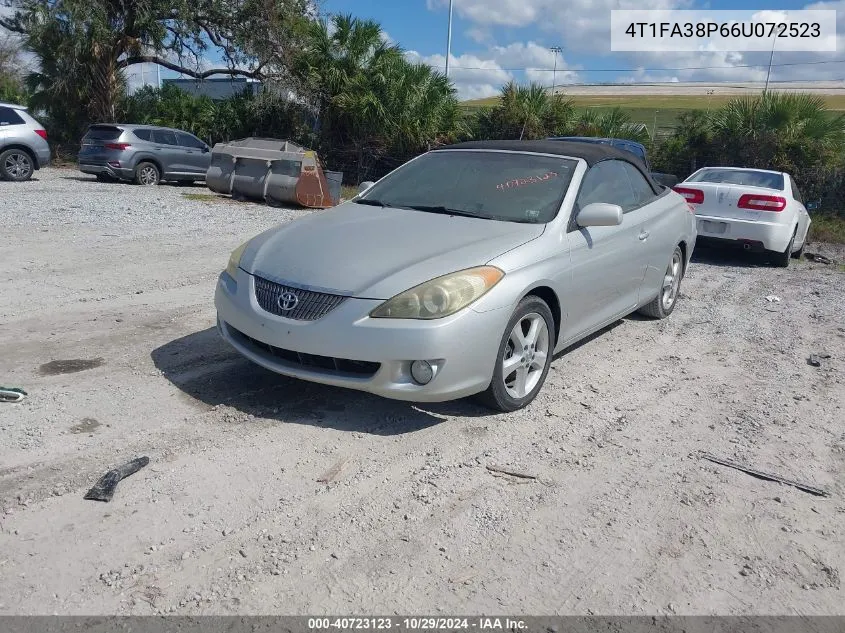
[442, 296]
[235, 260]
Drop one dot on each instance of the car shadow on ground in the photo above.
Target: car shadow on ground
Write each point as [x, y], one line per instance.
[189, 184]
[729, 257]
[203, 366]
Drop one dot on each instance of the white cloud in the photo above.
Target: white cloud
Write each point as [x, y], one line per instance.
[474, 77]
[479, 35]
[539, 61]
[482, 74]
[582, 28]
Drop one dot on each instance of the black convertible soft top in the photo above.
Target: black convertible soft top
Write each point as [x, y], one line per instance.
[592, 153]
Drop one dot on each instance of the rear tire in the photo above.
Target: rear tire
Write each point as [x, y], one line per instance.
[16, 165]
[797, 254]
[781, 260]
[664, 303]
[147, 174]
[524, 357]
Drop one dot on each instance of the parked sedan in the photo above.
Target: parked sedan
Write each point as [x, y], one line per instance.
[462, 272]
[143, 154]
[757, 209]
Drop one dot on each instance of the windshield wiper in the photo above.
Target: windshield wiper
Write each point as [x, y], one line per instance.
[371, 201]
[442, 209]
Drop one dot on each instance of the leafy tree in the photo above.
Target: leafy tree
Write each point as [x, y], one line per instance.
[11, 71]
[84, 45]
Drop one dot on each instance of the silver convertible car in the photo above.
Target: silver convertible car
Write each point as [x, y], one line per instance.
[461, 272]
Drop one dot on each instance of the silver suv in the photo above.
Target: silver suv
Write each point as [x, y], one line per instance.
[23, 143]
[143, 154]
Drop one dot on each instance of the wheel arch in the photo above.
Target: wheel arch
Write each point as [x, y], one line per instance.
[144, 158]
[550, 297]
[23, 148]
[684, 252]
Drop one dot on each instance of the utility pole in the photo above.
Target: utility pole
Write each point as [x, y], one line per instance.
[555, 50]
[449, 40]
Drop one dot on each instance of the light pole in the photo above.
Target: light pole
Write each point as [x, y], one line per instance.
[555, 50]
[769, 72]
[449, 40]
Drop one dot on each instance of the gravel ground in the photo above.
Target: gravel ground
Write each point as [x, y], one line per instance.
[623, 518]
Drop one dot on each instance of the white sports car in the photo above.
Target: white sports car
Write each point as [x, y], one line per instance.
[759, 209]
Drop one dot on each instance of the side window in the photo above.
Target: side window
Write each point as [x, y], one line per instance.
[186, 140]
[144, 135]
[643, 193]
[607, 181]
[8, 116]
[796, 194]
[164, 137]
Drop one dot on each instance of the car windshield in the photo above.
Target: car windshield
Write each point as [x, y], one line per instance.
[749, 177]
[506, 186]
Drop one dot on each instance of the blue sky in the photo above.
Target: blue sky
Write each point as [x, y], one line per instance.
[492, 39]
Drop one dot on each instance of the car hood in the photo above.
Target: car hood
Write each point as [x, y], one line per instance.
[376, 253]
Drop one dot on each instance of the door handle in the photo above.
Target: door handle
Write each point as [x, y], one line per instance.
[643, 236]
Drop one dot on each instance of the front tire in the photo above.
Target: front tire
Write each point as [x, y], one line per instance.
[16, 165]
[664, 303]
[147, 174]
[524, 357]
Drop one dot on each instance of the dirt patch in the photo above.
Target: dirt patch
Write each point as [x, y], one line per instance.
[230, 517]
[86, 425]
[57, 367]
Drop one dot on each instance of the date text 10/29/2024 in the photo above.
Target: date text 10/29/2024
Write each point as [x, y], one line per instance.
[416, 624]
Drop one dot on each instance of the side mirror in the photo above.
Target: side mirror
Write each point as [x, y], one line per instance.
[364, 186]
[812, 206]
[600, 214]
[206, 149]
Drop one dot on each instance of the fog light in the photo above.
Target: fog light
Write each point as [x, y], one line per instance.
[421, 372]
[114, 163]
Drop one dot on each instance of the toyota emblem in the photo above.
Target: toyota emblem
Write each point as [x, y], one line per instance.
[287, 301]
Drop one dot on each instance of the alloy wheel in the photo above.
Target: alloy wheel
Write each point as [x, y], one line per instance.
[18, 166]
[524, 359]
[672, 281]
[148, 175]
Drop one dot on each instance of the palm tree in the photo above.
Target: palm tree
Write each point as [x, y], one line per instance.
[369, 98]
[614, 123]
[784, 131]
[526, 112]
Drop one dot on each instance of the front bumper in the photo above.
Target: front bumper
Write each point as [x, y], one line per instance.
[769, 236]
[463, 347]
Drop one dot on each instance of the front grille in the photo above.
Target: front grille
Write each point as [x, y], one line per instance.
[309, 307]
[328, 364]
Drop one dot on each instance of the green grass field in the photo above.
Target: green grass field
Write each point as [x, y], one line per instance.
[664, 109]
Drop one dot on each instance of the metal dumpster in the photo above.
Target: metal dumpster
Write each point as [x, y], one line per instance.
[278, 172]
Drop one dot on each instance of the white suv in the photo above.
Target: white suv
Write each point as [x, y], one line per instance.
[23, 143]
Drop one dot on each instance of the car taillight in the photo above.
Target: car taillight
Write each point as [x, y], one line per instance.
[118, 146]
[693, 196]
[42, 134]
[758, 202]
